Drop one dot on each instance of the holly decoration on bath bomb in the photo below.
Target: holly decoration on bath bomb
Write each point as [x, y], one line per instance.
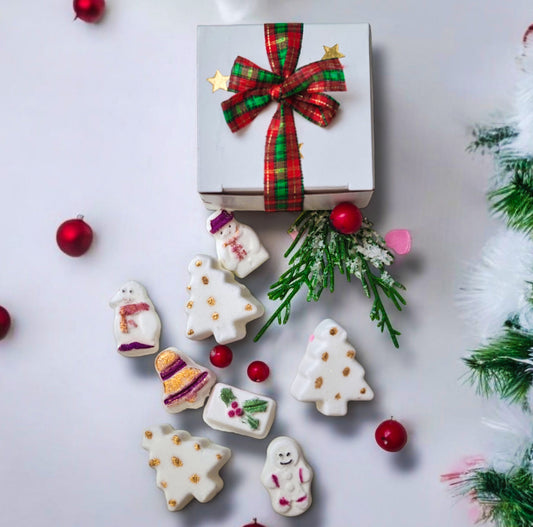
[221, 356]
[90, 11]
[258, 371]
[346, 218]
[5, 322]
[391, 435]
[74, 237]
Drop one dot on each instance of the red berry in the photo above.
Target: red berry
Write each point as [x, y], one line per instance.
[231, 413]
[346, 218]
[74, 237]
[258, 371]
[239, 412]
[234, 404]
[254, 524]
[391, 435]
[221, 356]
[89, 10]
[5, 322]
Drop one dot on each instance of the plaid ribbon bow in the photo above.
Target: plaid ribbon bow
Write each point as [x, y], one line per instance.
[293, 89]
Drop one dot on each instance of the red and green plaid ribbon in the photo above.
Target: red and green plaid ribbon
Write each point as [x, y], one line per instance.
[293, 89]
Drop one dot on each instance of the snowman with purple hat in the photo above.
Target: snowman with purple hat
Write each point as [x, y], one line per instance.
[238, 247]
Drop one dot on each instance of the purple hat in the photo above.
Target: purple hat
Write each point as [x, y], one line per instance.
[219, 221]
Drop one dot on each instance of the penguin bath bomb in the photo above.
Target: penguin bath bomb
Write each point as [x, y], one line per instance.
[329, 375]
[186, 384]
[287, 477]
[137, 325]
[187, 467]
[238, 247]
[218, 305]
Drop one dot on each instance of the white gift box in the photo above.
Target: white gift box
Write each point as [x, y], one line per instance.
[337, 161]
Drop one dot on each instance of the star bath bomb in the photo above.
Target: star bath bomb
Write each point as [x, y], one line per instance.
[238, 247]
[328, 373]
[234, 410]
[218, 305]
[186, 384]
[287, 477]
[137, 325]
[186, 467]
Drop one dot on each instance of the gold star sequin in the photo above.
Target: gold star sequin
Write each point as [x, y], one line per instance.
[332, 52]
[300, 150]
[219, 82]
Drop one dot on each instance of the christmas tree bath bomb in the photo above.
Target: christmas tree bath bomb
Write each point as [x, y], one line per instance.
[328, 374]
[218, 305]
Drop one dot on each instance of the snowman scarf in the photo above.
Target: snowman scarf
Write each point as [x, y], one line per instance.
[131, 309]
[236, 248]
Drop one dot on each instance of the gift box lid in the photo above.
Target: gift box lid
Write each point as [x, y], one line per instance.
[338, 158]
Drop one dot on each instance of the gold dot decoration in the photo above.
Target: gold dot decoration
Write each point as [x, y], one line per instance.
[197, 446]
[189, 304]
[176, 440]
[318, 382]
[195, 478]
[177, 462]
[172, 503]
[188, 288]
[350, 354]
[337, 396]
[219, 456]
[148, 434]
[325, 356]
[363, 390]
[333, 331]
[215, 316]
[198, 263]
[164, 484]
[248, 307]
[190, 332]
[346, 372]
[205, 280]
[211, 301]
[154, 462]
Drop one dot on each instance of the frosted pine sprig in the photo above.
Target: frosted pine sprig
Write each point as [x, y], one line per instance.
[318, 251]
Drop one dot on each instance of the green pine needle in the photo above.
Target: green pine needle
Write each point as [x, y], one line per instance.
[491, 138]
[504, 366]
[321, 252]
[507, 499]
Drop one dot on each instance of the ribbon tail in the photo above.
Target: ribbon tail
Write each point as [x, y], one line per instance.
[283, 170]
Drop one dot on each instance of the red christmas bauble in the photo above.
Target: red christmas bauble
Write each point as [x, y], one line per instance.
[74, 237]
[221, 356]
[89, 10]
[346, 218]
[5, 322]
[254, 524]
[258, 371]
[391, 435]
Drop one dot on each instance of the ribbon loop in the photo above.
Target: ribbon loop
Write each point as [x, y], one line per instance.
[300, 90]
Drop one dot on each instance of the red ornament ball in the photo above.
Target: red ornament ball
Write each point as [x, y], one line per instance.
[391, 435]
[89, 10]
[254, 524]
[74, 237]
[5, 322]
[346, 218]
[258, 371]
[221, 356]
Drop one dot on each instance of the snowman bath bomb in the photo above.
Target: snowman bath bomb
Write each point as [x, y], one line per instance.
[238, 247]
[137, 325]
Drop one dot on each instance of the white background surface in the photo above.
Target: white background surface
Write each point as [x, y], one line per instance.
[101, 120]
